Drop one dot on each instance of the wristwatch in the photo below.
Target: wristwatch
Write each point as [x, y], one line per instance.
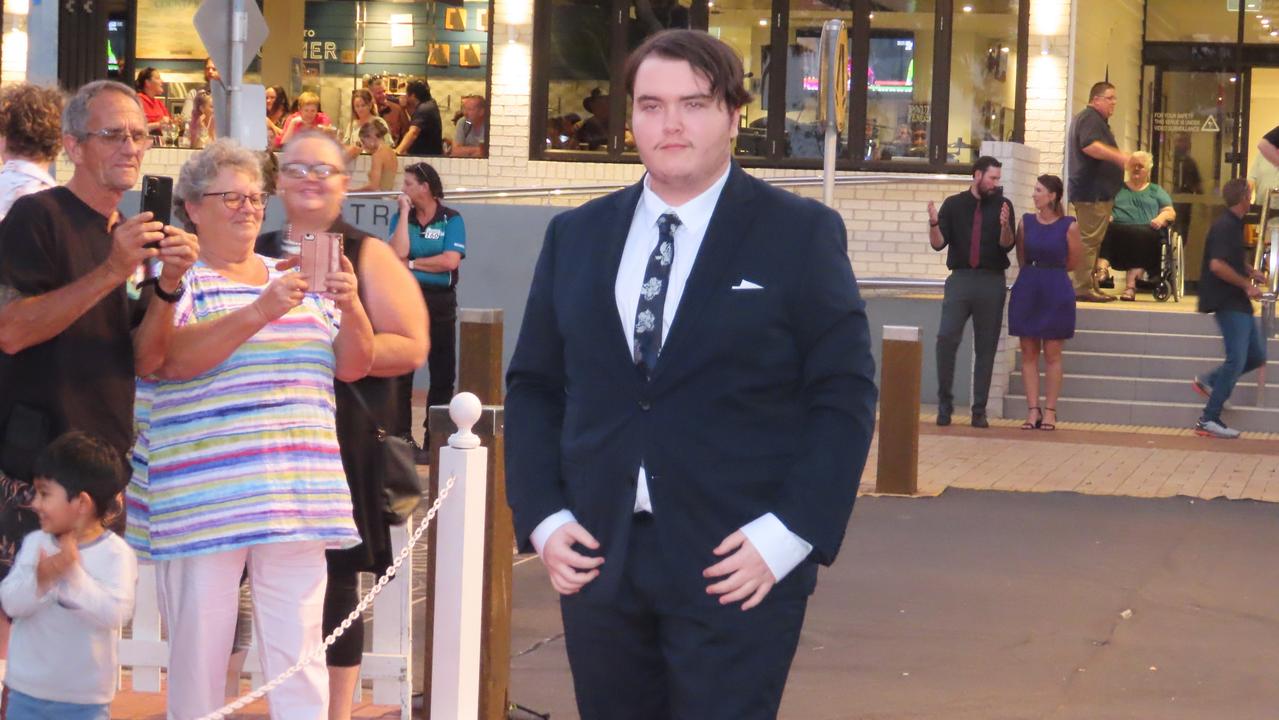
[168, 297]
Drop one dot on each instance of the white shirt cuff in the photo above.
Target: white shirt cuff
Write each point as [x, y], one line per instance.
[547, 527]
[781, 549]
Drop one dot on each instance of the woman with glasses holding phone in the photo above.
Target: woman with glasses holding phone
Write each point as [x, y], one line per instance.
[312, 186]
[236, 462]
[431, 241]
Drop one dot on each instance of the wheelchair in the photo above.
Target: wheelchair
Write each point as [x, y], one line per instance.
[1171, 279]
[1168, 281]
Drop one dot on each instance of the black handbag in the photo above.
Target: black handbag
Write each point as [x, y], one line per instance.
[401, 486]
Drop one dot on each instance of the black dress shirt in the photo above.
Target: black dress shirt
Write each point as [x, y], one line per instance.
[955, 220]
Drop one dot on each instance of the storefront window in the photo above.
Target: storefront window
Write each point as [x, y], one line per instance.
[899, 108]
[348, 42]
[1182, 21]
[578, 94]
[983, 78]
[745, 28]
[778, 41]
[805, 134]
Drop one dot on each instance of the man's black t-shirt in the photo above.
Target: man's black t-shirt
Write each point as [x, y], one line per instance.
[83, 378]
[1225, 243]
[1092, 180]
[430, 129]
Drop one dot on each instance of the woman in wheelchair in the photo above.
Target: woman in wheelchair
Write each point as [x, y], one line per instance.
[1143, 211]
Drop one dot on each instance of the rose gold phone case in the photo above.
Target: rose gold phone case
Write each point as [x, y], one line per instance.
[320, 254]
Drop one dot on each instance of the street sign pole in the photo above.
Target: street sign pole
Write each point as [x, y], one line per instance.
[233, 32]
[239, 31]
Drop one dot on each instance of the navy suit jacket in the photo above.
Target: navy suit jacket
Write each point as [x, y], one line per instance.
[762, 400]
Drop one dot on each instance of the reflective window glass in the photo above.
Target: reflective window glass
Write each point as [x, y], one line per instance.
[743, 25]
[983, 77]
[1194, 21]
[578, 87]
[899, 81]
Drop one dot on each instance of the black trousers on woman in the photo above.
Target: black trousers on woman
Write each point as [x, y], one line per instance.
[441, 362]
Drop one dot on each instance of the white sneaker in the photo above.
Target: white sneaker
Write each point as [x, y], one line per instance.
[1215, 428]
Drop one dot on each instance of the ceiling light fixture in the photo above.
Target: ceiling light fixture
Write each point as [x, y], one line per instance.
[968, 8]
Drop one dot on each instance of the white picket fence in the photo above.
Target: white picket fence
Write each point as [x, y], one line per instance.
[388, 663]
[458, 592]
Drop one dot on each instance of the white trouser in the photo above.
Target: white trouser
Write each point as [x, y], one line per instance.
[198, 600]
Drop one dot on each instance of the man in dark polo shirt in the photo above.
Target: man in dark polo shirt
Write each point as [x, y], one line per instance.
[976, 227]
[1226, 291]
[76, 324]
[425, 135]
[1096, 174]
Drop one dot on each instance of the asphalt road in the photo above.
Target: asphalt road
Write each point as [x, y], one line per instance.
[993, 606]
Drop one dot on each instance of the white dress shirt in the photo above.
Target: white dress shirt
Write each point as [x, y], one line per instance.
[781, 549]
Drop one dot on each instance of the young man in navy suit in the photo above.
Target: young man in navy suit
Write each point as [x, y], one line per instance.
[689, 409]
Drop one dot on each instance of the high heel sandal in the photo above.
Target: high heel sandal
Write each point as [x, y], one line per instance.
[1028, 425]
[1048, 425]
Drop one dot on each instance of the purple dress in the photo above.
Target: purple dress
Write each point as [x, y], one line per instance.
[1043, 299]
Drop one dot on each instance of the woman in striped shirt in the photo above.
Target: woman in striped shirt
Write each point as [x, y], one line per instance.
[236, 462]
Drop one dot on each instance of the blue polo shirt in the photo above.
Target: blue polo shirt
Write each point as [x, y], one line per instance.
[444, 232]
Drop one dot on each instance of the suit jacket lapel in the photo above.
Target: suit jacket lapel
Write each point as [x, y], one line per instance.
[730, 221]
[616, 227]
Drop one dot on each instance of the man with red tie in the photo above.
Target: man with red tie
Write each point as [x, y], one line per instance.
[976, 226]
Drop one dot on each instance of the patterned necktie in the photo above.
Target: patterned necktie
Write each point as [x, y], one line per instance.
[974, 245]
[652, 299]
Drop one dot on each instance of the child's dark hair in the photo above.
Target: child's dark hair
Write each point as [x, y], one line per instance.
[80, 463]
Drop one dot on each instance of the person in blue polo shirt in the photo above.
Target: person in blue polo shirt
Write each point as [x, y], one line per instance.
[431, 239]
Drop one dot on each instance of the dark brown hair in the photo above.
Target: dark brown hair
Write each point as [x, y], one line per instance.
[1053, 185]
[140, 84]
[1234, 191]
[31, 121]
[424, 173]
[1099, 89]
[706, 55]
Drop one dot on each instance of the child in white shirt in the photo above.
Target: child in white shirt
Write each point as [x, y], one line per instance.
[70, 589]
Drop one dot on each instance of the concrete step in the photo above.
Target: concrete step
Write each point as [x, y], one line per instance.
[1103, 387]
[1165, 344]
[1143, 366]
[1144, 321]
[1158, 414]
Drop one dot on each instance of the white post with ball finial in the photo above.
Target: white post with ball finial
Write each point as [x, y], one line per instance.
[459, 569]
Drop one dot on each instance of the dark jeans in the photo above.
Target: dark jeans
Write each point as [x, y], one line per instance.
[441, 362]
[1245, 352]
[978, 294]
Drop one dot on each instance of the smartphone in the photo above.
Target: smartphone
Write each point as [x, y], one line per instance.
[320, 253]
[157, 197]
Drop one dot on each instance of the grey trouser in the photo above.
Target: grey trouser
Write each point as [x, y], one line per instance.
[978, 294]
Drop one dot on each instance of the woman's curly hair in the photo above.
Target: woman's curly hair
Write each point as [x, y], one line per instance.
[31, 121]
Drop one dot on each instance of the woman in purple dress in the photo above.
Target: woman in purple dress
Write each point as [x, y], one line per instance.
[1041, 310]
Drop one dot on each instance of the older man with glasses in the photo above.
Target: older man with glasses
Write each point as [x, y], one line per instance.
[79, 315]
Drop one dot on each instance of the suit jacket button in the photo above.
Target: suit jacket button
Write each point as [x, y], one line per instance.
[645, 405]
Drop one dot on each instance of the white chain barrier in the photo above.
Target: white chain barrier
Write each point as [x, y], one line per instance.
[318, 653]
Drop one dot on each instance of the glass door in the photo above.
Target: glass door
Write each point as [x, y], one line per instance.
[1195, 138]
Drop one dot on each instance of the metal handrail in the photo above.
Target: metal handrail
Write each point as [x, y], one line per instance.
[464, 193]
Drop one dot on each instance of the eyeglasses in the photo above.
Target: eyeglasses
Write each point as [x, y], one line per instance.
[235, 200]
[298, 171]
[116, 137]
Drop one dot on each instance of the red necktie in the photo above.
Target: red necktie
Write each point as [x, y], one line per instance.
[974, 245]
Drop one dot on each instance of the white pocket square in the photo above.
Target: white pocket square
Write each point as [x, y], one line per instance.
[745, 284]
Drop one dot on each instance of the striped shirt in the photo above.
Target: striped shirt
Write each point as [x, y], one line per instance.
[245, 453]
